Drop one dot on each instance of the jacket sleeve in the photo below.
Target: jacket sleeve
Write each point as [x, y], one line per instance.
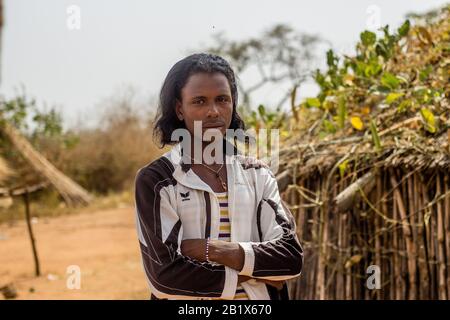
[170, 274]
[278, 255]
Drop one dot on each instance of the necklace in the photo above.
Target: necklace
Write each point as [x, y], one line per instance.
[224, 185]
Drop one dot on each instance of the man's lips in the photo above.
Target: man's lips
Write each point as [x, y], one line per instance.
[213, 125]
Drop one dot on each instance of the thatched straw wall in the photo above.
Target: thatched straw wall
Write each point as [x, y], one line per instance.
[402, 225]
[367, 168]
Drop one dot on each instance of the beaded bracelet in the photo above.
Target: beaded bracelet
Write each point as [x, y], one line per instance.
[207, 250]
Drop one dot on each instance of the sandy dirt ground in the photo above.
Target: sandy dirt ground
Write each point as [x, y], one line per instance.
[103, 244]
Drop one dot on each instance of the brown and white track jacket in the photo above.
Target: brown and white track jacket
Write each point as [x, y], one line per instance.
[173, 203]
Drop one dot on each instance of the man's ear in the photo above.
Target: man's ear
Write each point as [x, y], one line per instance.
[178, 110]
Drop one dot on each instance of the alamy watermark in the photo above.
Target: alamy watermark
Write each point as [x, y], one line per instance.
[263, 145]
[374, 280]
[73, 21]
[74, 277]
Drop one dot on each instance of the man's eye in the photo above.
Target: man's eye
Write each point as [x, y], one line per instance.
[200, 101]
[224, 99]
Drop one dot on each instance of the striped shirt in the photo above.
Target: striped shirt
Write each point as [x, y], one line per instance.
[225, 235]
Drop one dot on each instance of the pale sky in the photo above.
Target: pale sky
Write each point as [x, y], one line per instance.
[135, 42]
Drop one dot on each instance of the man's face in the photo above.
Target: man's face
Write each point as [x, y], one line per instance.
[206, 97]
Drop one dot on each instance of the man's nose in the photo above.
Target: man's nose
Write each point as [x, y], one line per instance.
[213, 111]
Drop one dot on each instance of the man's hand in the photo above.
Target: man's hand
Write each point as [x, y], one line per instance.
[223, 252]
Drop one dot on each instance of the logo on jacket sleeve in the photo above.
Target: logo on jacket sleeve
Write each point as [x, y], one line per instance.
[185, 196]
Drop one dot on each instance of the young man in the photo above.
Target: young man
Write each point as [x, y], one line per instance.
[210, 230]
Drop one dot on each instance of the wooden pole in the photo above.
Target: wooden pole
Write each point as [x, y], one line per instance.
[410, 195]
[340, 278]
[390, 243]
[442, 287]
[410, 245]
[396, 257]
[293, 200]
[447, 229]
[423, 273]
[30, 233]
[347, 273]
[426, 239]
[378, 293]
[433, 248]
[322, 224]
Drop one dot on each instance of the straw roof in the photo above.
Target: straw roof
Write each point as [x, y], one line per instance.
[386, 106]
[40, 168]
[5, 170]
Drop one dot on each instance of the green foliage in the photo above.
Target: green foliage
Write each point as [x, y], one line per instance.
[368, 38]
[16, 110]
[23, 113]
[367, 66]
[266, 118]
[429, 120]
[404, 105]
[404, 29]
[329, 126]
[389, 81]
[343, 167]
[49, 123]
[342, 112]
[393, 96]
[423, 75]
[352, 85]
[375, 137]
[313, 102]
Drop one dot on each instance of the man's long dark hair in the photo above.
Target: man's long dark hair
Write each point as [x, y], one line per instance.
[166, 119]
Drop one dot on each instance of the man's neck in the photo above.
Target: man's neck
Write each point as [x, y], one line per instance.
[198, 156]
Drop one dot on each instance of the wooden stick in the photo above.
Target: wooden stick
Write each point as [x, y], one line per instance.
[30, 233]
[400, 125]
[447, 230]
[396, 257]
[21, 191]
[292, 201]
[347, 242]
[315, 239]
[404, 266]
[423, 271]
[283, 180]
[350, 195]
[315, 184]
[427, 241]
[412, 218]
[333, 234]
[410, 247]
[390, 242]
[301, 214]
[322, 243]
[441, 244]
[433, 250]
[340, 280]
[378, 293]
